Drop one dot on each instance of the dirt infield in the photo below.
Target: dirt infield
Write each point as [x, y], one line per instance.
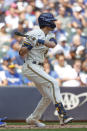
[47, 126]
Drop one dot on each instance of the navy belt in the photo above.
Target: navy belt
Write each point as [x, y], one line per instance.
[34, 62]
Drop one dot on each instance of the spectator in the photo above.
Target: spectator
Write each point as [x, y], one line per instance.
[39, 4]
[48, 69]
[68, 6]
[81, 4]
[72, 58]
[63, 46]
[3, 80]
[77, 66]
[29, 16]
[4, 37]
[6, 61]
[83, 75]
[13, 51]
[12, 20]
[55, 60]
[37, 14]
[2, 11]
[21, 4]
[14, 55]
[18, 60]
[60, 67]
[13, 77]
[76, 41]
[59, 31]
[68, 76]
[77, 19]
[63, 18]
[85, 15]
[80, 32]
[80, 52]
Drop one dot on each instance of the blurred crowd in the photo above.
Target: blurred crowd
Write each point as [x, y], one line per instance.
[67, 62]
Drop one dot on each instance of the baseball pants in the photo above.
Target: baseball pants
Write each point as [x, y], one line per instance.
[47, 86]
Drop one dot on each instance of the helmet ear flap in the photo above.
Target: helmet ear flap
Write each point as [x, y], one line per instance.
[53, 25]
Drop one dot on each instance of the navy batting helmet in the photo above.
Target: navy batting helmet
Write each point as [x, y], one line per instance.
[46, 19]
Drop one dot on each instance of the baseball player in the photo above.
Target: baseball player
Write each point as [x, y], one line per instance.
[36, 46]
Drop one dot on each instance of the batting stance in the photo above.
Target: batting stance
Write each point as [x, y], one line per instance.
[36, 46]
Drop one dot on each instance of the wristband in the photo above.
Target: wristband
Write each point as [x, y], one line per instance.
[40, 41]
[28, 45]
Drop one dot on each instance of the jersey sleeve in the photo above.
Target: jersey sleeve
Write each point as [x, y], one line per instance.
[30, 40]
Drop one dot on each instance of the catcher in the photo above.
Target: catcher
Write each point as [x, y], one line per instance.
[36, 46]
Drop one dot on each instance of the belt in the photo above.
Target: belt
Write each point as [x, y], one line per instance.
[34, 62]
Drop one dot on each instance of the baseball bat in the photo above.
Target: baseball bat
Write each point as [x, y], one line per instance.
[20, 34]
[23, 35]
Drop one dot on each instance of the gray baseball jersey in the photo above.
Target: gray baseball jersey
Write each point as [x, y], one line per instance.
[38, 51]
